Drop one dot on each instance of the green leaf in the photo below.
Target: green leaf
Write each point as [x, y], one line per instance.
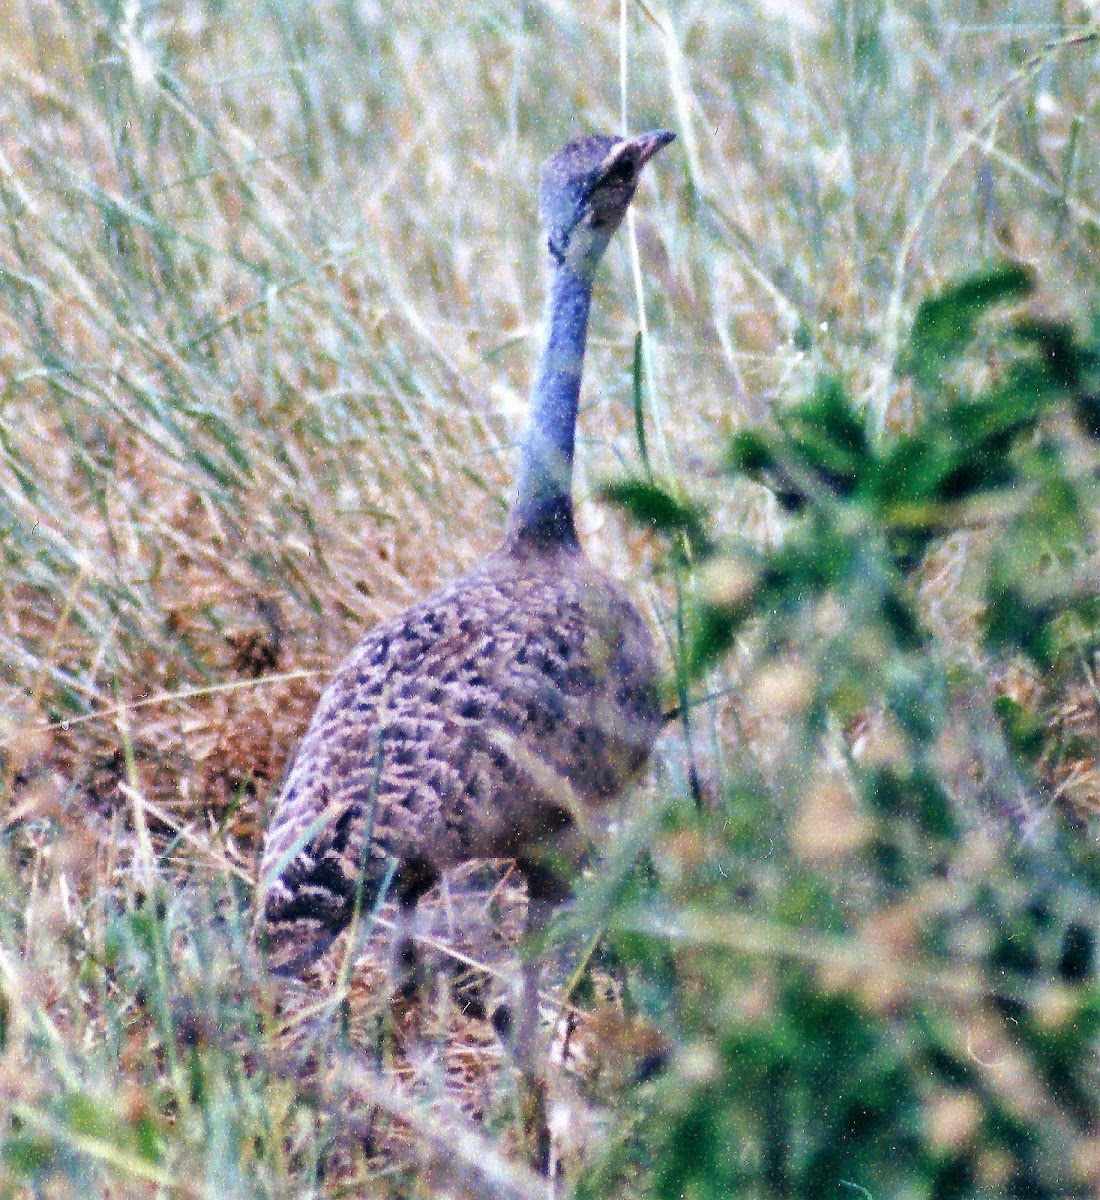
[750, 453]
[715, 629]
[944, 325]
[822, 447]
[1012, 623]
[829, 436]
[638, 395]
[652, 505]
[147, 1141]
[29, 1154]
[1022, 728]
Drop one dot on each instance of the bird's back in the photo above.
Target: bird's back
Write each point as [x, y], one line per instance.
[467, 727]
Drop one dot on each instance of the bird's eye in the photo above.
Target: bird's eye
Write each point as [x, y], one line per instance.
[620, 171]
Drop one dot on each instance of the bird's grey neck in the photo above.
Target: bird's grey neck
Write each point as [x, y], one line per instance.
[543, 507]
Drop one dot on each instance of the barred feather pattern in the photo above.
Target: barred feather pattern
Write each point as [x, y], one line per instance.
[471, 726]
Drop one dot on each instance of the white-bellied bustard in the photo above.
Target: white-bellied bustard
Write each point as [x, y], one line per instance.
[481, 721]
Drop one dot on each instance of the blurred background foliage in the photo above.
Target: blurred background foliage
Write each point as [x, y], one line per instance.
[269, 299]
[906, 1003]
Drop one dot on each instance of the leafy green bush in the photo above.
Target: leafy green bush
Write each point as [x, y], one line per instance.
[884, 944]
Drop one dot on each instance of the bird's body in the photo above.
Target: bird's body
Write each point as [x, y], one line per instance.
[465, 728]
[481, 722]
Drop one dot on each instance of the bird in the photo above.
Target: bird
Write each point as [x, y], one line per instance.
[490, 719]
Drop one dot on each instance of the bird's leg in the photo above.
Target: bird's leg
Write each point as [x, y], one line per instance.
[545, 891]
[403, 955]
[525, 1039]
[414, 877]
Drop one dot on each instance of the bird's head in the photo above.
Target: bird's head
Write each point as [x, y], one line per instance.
[587, 187]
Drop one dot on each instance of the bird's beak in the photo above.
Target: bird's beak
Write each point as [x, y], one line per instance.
[649, 143]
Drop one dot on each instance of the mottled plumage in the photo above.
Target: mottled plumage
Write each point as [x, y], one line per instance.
[483, 721]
